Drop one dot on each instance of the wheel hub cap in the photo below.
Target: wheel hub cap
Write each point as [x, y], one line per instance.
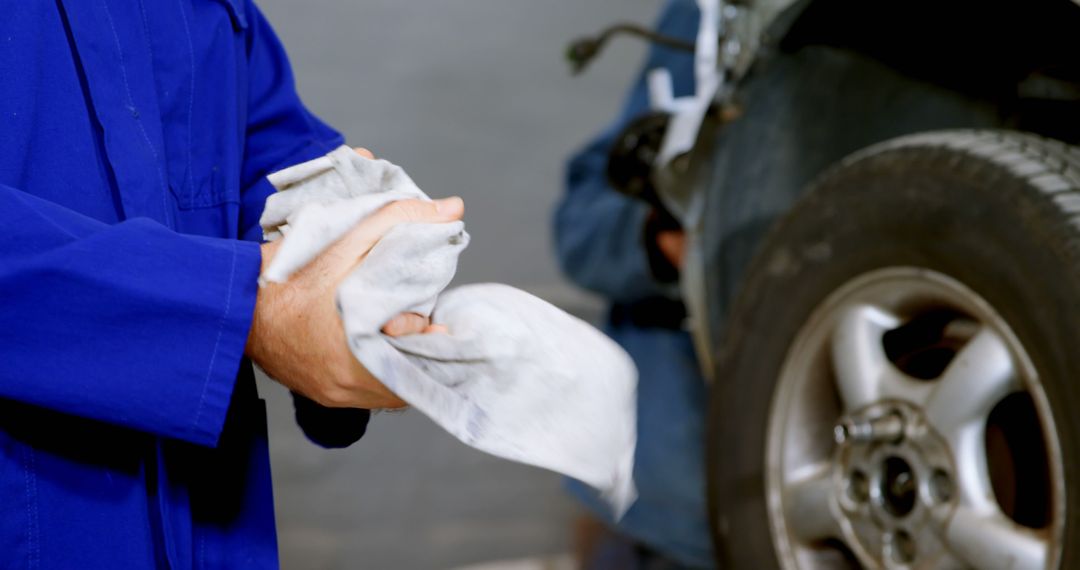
[889, 472]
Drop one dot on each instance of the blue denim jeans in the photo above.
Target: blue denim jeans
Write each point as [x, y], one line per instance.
[669, 469]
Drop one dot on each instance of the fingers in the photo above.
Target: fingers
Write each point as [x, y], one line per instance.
[406, 324]
[412, 323]
[364, 152]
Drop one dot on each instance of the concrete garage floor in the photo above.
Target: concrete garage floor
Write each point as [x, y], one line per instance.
[474, 99]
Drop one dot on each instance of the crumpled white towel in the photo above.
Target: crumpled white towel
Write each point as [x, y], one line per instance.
[515, 377]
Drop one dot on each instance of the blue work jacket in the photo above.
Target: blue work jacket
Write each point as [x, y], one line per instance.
[135, 139]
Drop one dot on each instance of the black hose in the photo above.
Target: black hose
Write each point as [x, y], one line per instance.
[583, 51]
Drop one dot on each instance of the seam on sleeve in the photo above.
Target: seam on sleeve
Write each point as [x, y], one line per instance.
[217, 342]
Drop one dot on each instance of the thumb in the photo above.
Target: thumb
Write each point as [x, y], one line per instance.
[417, 212]
[360, 239]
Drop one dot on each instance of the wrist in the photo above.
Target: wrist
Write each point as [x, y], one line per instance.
[258, 318]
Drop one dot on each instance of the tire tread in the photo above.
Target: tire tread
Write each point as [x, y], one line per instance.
[1047, 164]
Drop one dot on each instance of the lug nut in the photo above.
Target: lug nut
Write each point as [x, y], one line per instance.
[888, 428]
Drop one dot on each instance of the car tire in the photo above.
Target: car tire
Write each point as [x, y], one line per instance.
[981, 229]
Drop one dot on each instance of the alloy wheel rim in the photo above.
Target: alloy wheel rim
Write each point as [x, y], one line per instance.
[877, 457]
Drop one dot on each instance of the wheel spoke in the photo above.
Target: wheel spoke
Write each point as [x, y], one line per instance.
[859, 356]
[991, 540]
[979, 377]
[972, 470]
[808, 505]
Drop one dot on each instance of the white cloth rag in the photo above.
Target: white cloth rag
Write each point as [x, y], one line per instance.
[515, 377]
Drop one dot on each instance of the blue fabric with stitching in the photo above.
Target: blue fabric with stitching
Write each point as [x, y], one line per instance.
[137, 135]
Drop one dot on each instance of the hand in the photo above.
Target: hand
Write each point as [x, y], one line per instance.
[297, 336]
[672, 244]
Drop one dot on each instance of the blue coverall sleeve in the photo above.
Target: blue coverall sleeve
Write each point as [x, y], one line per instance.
[280, 130]
[599, 233]
[132, 324]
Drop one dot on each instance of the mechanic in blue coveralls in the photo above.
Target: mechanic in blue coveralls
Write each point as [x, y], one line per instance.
[136, 138]
[618, 247]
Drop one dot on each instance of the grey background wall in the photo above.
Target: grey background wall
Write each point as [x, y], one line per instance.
[474, 99]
